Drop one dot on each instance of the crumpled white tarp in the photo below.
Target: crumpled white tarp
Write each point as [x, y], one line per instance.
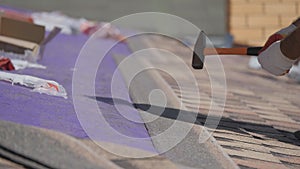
[39, 85]
[71, 25]
[57, 19]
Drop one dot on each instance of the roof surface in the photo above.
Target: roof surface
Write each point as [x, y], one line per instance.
[261, 113]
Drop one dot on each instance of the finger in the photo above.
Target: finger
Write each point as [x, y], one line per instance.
[270, 41]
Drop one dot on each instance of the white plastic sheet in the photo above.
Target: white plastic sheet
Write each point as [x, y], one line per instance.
[39, 85]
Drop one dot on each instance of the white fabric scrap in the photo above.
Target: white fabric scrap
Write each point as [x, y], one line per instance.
[295, 73]
[22, 64]
[37, 84]
[28, 55]
[253, 63]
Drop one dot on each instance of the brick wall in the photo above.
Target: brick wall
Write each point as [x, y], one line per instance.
[252, 21]
[208, 15]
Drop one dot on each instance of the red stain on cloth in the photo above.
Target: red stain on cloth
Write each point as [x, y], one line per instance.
[6, 64]
[50, 85]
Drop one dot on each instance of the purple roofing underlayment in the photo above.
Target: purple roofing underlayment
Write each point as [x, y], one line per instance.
[20, 105]
[25, 11]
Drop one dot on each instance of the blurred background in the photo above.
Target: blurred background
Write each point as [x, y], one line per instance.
[249, 22]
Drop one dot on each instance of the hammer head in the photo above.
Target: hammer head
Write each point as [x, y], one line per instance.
[198, 52]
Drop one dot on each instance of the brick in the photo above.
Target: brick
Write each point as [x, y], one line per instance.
[235, 2]
[298, 8]
[262, 1]
[287, 20]
[281, 8]
[246, 34]
[290, 1]
[258, 42]
[268, 31]
[243, 9]
[238, 22]
[255, 21]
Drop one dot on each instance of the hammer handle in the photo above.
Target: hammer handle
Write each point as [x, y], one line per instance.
[232, 51]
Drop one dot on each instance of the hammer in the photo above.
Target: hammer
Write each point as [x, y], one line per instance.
[200, 51]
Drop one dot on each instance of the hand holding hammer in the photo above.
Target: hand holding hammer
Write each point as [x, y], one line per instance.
[200, 51]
